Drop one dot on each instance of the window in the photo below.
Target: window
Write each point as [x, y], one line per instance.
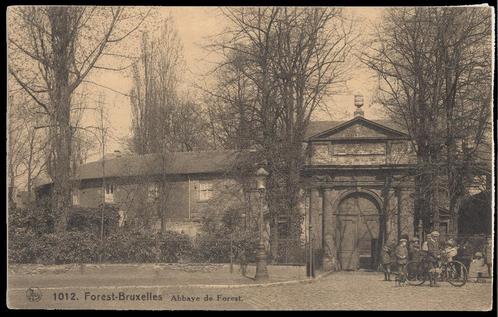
[205, 191]
[109, 193]
[153, 192]
[283, 228]
[76, 196]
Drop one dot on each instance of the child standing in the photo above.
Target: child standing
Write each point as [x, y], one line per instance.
[386, 262]
[401, 253]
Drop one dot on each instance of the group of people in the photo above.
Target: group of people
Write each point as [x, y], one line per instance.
[405, 251]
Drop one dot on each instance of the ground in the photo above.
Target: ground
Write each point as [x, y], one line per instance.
[337, 291]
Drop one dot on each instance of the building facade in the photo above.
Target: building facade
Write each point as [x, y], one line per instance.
[357, 182]
[175, 190]
[360, 192]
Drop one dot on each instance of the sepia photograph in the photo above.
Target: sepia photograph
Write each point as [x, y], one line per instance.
[250, 158]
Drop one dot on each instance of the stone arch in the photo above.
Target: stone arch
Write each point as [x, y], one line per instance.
[357, 213]
[352, 191]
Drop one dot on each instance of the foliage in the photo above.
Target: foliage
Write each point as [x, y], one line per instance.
[31, 242]
[90, 219]
[36, 219]
[220, 238]
[50, 248]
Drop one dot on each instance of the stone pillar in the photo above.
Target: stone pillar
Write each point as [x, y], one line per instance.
[392, 218]
[330, 262]
[316, 215]
[407, 212]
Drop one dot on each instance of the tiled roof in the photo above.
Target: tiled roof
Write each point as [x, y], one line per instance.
[171, 163]
[153, 164]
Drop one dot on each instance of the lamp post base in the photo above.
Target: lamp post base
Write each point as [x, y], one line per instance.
[261, 269]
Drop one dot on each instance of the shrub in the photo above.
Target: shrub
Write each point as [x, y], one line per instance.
[20, 246]
[174, 247]
[36, 219]
[90, 219]
[50, 248]
[76, 247]
[139, 247]
[212, 250]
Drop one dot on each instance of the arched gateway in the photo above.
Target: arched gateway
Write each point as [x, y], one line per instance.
[350, 166]
[357, 231]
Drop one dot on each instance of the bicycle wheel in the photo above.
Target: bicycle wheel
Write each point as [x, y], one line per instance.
[456, 273]
[415, 273]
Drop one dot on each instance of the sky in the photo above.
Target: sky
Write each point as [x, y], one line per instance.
[195, 26]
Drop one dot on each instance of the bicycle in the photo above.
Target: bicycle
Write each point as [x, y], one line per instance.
[453, 272]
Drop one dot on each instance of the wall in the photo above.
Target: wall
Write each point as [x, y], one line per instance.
[324, 210]
[362, 152]
[183, 207]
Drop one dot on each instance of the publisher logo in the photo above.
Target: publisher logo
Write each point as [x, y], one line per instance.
[33, 294]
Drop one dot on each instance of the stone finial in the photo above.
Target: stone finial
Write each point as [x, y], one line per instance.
[358, 102]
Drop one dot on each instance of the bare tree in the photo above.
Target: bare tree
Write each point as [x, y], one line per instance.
[283, 61]
[52, 50]
[434, 68]
[17, 145]
[26, 151]
[155, 84]
[164, 120]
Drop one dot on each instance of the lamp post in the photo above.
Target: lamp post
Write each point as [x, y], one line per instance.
[261, 269]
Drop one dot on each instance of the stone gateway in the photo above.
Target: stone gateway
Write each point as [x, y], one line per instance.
[360, 189]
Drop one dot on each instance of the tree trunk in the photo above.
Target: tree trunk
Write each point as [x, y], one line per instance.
[62, 59]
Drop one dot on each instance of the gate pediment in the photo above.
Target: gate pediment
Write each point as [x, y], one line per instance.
[359, 128]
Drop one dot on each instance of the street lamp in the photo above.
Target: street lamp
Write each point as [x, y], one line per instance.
[261, 269]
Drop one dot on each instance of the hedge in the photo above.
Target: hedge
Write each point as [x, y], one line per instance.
[81, 243]
[82, 247]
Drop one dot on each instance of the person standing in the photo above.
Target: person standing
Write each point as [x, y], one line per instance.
[401, 253]
[386, 262]
[424, 245]
[433, 257]
[414, 250]
[243, 260]
[489, 255]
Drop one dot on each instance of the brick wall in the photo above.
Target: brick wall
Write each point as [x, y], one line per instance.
[182, 203]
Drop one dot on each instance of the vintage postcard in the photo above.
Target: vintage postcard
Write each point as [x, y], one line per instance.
[250, 158]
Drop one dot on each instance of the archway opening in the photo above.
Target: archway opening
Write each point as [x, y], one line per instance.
[357, 233]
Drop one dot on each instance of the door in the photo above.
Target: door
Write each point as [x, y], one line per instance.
[368, 234]
[346, 242]
[357, 231]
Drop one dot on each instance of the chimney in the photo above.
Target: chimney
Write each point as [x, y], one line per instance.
[358, 102]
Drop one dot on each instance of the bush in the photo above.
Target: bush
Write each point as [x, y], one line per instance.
[174, 247]
[20, 246]
[139, 247]
[36, 219]
[90, 219]
[215, 250]
[49, 248]
[76, 247]
[212, 250]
